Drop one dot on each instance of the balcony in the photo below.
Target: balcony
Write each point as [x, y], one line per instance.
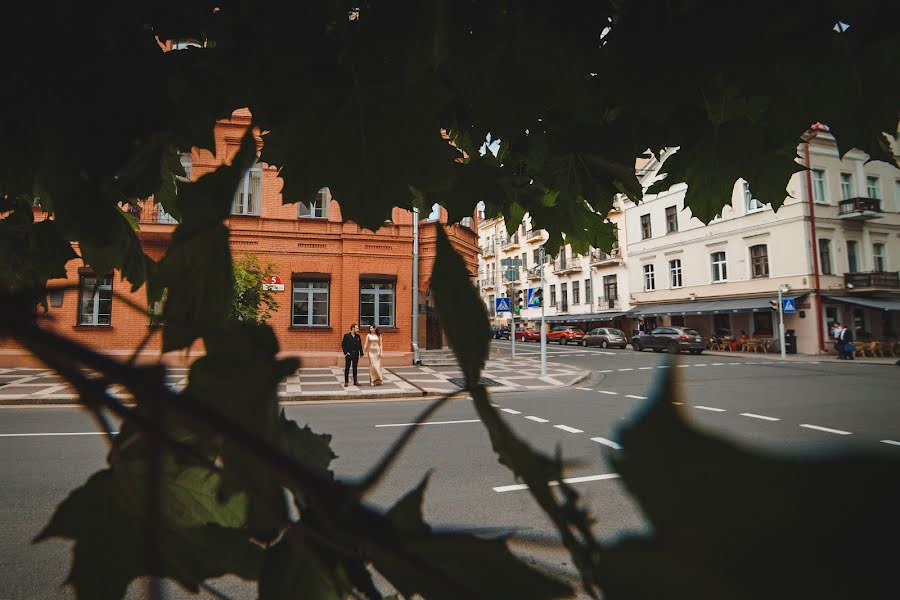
[608, 303]
[562, 266]
[489, 282]
[602, 259]
[876, 280]
[534, 273]
[512, 243]
[534, 236]
[860, 209]
[488, 251]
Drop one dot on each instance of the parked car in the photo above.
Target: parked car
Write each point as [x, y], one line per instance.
[499, 331]
[565, 334]
[606, 337]
[528, 335]
[671, 339]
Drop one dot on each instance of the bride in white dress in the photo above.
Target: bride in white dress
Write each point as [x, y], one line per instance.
[372, 348]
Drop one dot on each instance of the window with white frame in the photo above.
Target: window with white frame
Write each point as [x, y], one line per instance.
[719, 266]
[872, 186]
[649, 278]
[878, 256]
[825, 256]
[749, 201]
[318, 208]
[818, 186]
[248, 196]
[95, 300]
[675, 273]
[852, 256]
[310, 302]
[759, 261]
[376, 303]
[847, 186]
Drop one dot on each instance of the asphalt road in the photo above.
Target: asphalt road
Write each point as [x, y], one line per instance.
[791, 408]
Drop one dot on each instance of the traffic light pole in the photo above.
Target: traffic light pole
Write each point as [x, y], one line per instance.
[543, 329]
[781, 323]
[512, 325]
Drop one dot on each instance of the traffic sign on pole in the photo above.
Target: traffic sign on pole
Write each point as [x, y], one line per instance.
[788, 306]
[535, 296]
[502, 305]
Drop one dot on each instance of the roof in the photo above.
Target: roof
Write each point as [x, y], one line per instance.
[879, 303]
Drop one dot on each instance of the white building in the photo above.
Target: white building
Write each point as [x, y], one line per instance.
[720, 278]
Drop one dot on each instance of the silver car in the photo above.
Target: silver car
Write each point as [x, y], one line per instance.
[670, 339]
[606, 337]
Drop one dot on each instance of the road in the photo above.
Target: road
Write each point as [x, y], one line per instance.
[790, 407]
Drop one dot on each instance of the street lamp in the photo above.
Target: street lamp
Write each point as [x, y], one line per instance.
[782, 289]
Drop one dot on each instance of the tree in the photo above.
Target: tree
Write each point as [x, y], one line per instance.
[251, 302]
[354, 96]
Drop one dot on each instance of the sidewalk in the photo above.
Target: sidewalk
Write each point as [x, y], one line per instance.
[808, 358]
[21, 386]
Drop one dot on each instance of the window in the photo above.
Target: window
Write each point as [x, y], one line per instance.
[818, 185]
[536, 255]
[749, 201]
[310, 303]
[878, 256]
[376, 303]
[759, 260]
[721, 324]
[552, 295]
[852, 257]
[649, 278]
[187, 163]
[825, 256]
[762, 323]
[248, 194]
[671, 219]
[675, 272]
[897, 195]
[719, 267]
[588, 293]
[610, 288]
[492, 306]
[677, 321]
[576, 292]
[95, 301]
[645, 227]
[847, 186]
[318, 208]
[872, 187]
[524, 260]
[564, 295]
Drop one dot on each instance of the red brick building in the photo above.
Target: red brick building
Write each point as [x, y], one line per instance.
[334, 273]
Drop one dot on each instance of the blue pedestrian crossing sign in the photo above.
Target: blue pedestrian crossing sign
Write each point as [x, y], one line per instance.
[502, 304]
[532, 301]
[788, 306]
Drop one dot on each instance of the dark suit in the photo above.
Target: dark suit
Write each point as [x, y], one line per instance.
[352, 347]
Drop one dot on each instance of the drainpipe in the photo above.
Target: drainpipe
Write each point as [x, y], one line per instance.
[820, 310]
[415, 288]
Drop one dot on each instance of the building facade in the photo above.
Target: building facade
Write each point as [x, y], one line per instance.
[333, 273]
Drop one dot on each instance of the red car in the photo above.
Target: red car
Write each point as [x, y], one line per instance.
[564, 334]
[528, 335]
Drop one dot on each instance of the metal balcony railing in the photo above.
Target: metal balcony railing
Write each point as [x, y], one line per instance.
[860, 209]
[608, 303]
[511, 242]
[534, 234]
[600, 257]
[875, 279]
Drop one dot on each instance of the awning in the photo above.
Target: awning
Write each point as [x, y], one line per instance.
[583, 318]
[710, 307]
[877, 303]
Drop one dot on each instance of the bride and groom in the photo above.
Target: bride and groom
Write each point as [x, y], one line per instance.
[354, 348]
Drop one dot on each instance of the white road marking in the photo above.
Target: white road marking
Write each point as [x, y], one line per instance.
[710, 408]
[663, 367]
[522, 486]
[608, 392]
[700, 365]
[56, 434]
[734, 363]
[495, 405]
[825, 429]
[635, 397]
[429, 423]
[683, 366]
[891, 442]
[537, 419]
[584, 389]
[763, 417]
[569, 429]
[607, 371]
[511, 411]
[644, 368]
[629, 369]
[750, 363]
[717, 364]
[607, 442]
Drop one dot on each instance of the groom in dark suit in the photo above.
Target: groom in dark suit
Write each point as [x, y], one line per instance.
[352, 347]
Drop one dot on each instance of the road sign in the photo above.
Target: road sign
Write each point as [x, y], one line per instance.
[534, 302]
[511, 275]
[787, 306]
[511, 262]
[273, 284]
[502, 304]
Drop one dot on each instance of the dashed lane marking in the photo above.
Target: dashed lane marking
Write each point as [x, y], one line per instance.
[430, 423]
[608, 392]
[569, 429]
[891, 442]
[628, 369]
[635, 397]
[536, 419]
[607, 371]
[511, 411]
[644, 368]
[709, 408]
[700, 365]
[583, 389]
[522, 486]
[763, 417]
[825, 429]
[607, 442]
[683, 366]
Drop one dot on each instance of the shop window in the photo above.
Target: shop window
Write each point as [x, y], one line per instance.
[762, 323]
[677, 320]
[722, 324]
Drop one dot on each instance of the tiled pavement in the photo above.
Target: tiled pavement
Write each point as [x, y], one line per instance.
[41, 386]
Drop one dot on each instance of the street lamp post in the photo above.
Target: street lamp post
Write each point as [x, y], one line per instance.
[781, 289]
[543, 328]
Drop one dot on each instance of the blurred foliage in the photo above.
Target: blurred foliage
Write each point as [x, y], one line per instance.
[251, 302]
[354, 97]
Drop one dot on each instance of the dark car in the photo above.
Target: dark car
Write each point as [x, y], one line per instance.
[671, 339]
[606, 337]
[499, 331]
[528, 335]
[565, 334]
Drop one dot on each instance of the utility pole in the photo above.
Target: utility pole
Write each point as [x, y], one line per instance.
[781, 322]
[415, 289]
[543, 329]
[512, 318]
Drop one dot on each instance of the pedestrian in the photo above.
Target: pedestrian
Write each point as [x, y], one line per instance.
[847, 340]
[836, 336]
[353, 349]
[373, 347]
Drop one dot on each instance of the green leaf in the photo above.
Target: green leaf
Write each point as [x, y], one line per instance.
[463, 315]
[307, 447]
[290, 571]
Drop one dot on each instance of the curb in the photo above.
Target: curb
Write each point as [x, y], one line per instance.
[807, 359]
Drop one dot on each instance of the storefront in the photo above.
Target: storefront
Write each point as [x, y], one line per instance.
[870, 318]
